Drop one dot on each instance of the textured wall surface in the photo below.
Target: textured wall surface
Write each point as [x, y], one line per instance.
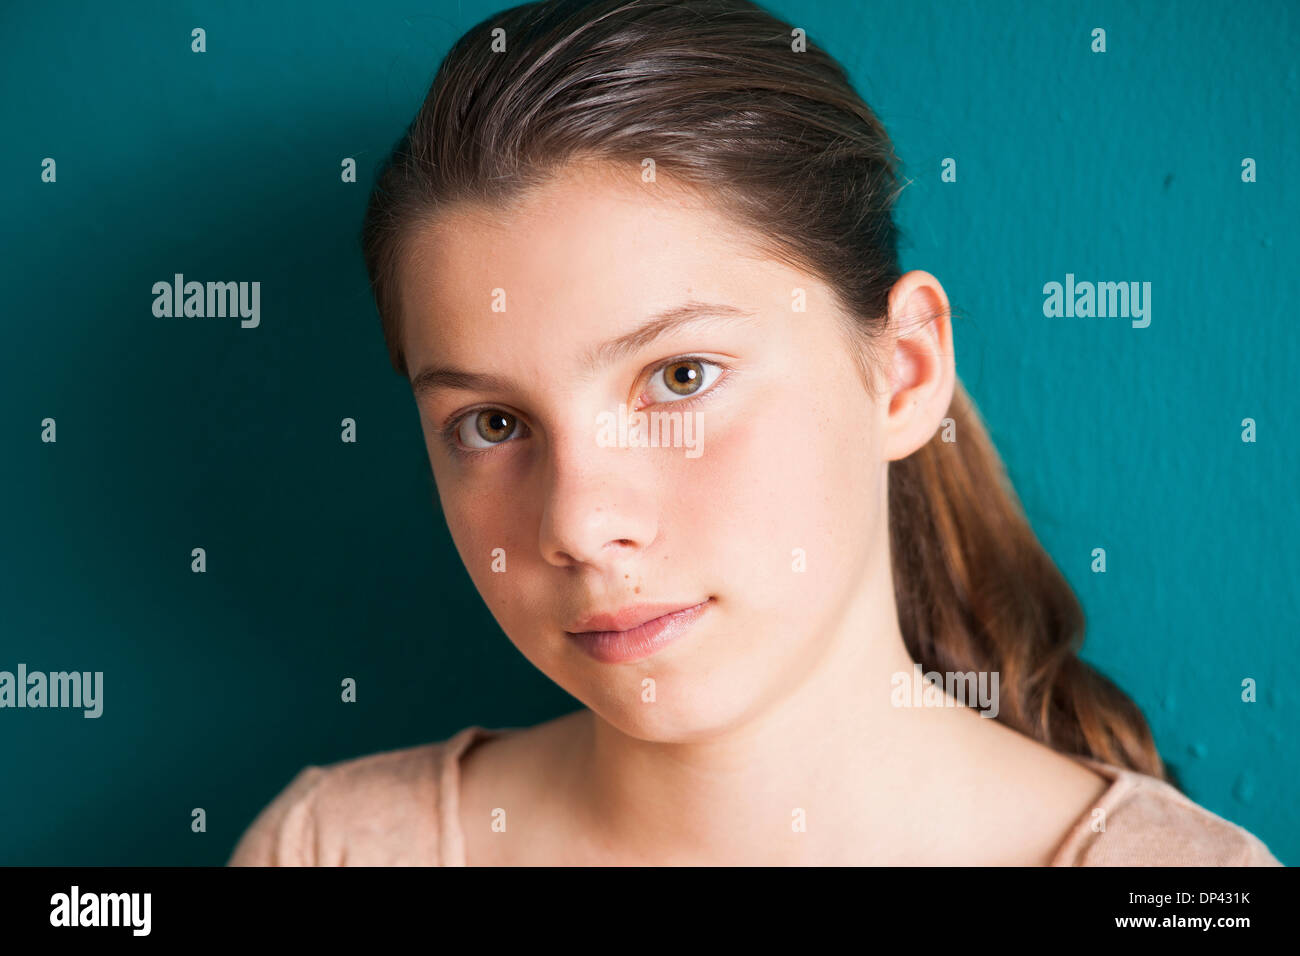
[329, 559]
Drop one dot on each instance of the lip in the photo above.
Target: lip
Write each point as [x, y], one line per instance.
[635, 633]
[624, 619]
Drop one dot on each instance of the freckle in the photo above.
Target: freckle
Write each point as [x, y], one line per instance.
[637, 590]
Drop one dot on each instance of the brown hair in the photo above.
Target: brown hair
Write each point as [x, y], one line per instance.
[715, 93]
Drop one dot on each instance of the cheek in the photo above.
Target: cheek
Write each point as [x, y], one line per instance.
[471, 499]
[485, 535]
[793, 473]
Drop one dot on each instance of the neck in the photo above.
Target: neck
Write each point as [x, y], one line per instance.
[834, 772]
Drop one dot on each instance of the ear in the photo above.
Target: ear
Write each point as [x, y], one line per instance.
[921, 364]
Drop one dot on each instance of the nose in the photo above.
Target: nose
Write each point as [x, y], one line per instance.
[599, 503]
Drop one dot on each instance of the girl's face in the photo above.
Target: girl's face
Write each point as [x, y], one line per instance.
[549, 316]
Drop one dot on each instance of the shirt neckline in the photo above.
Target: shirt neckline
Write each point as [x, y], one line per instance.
[451, 838]
[451, 842]
[1121, 781]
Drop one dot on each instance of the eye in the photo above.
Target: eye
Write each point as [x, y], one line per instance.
[485, 428]
[682, 378]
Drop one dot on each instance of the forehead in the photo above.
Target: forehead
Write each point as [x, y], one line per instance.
[600, 213]
[595, 247]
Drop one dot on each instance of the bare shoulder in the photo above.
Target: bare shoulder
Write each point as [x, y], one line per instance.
[1025, 798]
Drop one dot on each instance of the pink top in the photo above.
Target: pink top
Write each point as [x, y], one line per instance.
[401, 808]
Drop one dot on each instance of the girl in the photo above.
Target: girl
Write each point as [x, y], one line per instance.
[701, 446]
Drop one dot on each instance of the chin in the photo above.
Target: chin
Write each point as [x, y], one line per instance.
[680, 712]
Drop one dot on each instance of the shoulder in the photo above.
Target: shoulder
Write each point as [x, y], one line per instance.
[1143, 821]
[382, 809]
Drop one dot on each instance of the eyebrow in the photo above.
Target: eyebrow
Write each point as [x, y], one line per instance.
[662, 323]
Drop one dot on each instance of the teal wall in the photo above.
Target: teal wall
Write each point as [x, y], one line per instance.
[328, 559]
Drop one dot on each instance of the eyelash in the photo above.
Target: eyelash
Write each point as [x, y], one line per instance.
[452, 426]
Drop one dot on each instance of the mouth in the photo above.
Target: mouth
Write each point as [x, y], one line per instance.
[635, 633]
